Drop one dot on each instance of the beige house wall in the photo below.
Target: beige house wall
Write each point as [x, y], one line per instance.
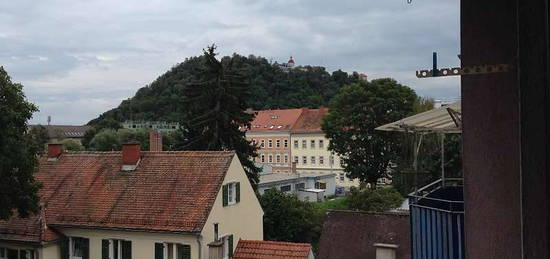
[244, 219]
[273, 151]
[143, 243]
[318, 152]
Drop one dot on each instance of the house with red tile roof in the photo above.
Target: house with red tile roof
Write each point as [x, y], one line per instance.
[135, 204]
[257, 249]
[270, 130]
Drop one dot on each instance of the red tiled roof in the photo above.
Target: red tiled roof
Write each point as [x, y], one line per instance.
[275, 120]
[253, 249]
[310, 121]
[168, 191]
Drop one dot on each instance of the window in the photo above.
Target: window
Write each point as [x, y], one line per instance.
[172, 251]
[286, 158]
[342, 177]
[312, 160]
[304, 144]
[270, 158]
[286, 143]
[262, 143]
[304, 160]
[296, 159]
[227, 246]
[320, 185]
[312, 143]
[321, 143]
[262, 158]
[321, 160]
[270, 143]
[295, 143]
[116, 249]
[78, 248]
[278, 143]
[6, 253]
[300, 186]
[331, 160]
[231, 193]
[285, 188]
[278, 158]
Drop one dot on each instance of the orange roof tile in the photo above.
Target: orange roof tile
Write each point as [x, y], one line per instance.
[254, 249]
[168, 191]
[274, 120]
[310, 121]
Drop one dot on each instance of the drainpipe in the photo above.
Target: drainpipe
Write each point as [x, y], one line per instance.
[199, 237]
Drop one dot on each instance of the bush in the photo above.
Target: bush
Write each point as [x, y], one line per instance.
[72, 145]
[379, 200]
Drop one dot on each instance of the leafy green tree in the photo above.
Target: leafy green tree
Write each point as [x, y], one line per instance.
[216, 110]
[18, 151]
[72, 145]
[350, 125]
[39, 136]
[288, 219]
[110, 139]
[379, 199]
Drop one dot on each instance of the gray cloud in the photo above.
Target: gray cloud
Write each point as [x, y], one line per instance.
[80, 58]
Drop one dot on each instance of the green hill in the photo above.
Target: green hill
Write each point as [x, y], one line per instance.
[271, 86]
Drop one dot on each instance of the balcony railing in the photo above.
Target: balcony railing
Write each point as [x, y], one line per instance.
[437, 220]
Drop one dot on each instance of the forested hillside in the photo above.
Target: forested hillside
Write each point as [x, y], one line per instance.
[271, 87]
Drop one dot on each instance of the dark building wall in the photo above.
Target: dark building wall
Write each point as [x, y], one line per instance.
[350, 235]
[505, 129]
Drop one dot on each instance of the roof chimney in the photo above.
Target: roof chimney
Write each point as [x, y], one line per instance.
[54, 150]
[131, 154]
[155, 141]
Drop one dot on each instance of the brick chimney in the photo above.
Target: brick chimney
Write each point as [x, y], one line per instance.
[155, 141]
[54, 150]
[131, 154]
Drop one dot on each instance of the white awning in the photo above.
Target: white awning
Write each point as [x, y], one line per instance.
[445, 119]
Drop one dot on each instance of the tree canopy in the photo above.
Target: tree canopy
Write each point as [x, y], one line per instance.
[18, 151]
[215, 106]
[350, 125]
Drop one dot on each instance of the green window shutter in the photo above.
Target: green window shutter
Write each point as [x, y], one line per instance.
[238, 192]
[224, 190]
[184, 251]
[126, 249]
[85, 248]
[105, 249]
[159, 251]
[22, 254]
[64, 248]
[230, 244]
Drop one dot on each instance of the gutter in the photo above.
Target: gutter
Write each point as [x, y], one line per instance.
[122, 229]
[199, 237]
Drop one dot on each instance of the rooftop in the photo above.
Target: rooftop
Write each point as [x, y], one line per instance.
[168, 191]
[274, 120]
[253, 249]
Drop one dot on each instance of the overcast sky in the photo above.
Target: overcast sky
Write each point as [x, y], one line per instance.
[78, 59]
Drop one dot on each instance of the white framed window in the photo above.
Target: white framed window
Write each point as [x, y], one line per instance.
[231, 194]
[262, 158]
[286, 188]
[304, 144]
[278, 143]
[77, 247]
[286, 143]
[269, 143]
[321, 143]
[262, 143]
[172, 250]
[321, 160]
[227, 246]
[331, 160]
[296, 159]
[313, 143]
[117, 249]
[312, 160]
[304, 160]
[286, 158]
[278, 158]
[270, 158]
[295, 143]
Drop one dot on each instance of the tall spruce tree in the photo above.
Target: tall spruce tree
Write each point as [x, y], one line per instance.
[18, 151]
[216, 106]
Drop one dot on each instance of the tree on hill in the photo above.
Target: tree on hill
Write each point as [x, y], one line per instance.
[18, 151]
[216, 106]
[350, 125]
